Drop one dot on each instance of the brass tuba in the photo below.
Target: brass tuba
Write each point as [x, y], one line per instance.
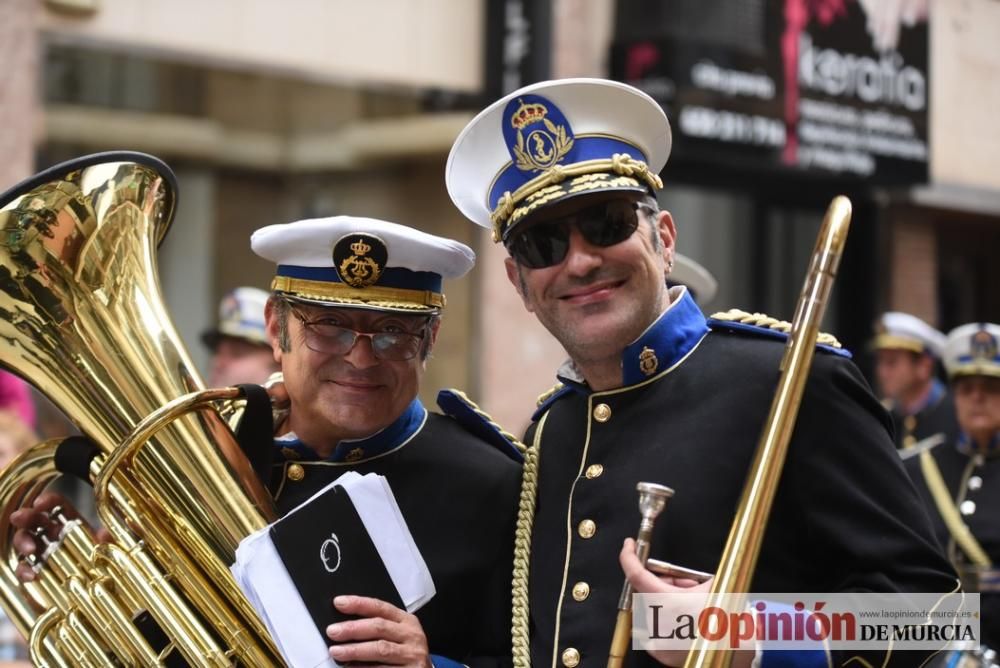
[81, 317]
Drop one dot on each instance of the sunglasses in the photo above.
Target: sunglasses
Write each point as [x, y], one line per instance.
[546, 244]
[324, 336]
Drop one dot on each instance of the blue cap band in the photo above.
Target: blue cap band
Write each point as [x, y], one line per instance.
[392, 277]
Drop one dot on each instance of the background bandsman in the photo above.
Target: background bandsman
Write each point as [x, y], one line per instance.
[240, 350]
[960, 479]
[907, 351]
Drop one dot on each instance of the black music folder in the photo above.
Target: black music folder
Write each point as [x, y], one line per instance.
[327, 551]
[349, 538]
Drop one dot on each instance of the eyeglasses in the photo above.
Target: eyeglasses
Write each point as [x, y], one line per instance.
[323, 336]
[546, 244]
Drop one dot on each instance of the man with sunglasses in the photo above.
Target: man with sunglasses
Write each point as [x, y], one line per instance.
[565, 174]
[353, 316]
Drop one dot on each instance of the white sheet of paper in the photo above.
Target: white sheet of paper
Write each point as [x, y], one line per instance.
[376, 505]
[286, 618]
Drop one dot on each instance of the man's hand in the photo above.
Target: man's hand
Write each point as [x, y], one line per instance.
[280, 401]
[644, 582]
[35, 522]
[386, 636]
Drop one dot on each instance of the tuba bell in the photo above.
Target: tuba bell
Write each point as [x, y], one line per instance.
[82, 319]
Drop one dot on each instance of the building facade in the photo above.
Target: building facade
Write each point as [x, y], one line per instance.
[270, 112]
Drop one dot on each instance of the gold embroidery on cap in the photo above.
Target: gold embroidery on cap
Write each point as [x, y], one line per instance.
[542, 148]
[360, 259]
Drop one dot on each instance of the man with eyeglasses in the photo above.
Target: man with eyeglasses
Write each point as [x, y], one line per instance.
[565, 173]
[353, 316]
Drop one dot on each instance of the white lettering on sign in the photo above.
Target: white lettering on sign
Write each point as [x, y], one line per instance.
[709, 76]
[888, 80]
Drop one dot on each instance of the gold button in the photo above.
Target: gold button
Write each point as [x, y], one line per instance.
[581, 590]
[602, 412]
[296, 473]
[571, 657]
[594, 471]
[909, 441]
[587, 529]
[354, 455]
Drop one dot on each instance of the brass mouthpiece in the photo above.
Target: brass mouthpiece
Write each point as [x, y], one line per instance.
[652, 500]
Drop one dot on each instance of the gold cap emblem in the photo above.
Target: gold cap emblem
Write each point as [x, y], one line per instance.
[360, 259]
[983, 346]
[528, 114]
[648, 361]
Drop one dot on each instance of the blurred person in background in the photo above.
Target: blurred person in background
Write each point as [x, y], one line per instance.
[907, 351]
[240, 350]
[16, 436]
[13, 649]
[960, 480]
[15, 395]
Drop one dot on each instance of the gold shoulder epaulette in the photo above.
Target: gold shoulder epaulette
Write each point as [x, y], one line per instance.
[544, 396]
[764, 320]
[484, 416]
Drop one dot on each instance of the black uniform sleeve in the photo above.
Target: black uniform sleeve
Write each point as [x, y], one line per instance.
[864, 525]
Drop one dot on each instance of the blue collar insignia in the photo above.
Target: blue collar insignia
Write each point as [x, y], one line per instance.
[365, 448]
[665, 342]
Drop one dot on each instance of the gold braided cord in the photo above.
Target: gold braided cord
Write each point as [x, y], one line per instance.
[949, 513]
[345, 294]
[764, 320]
[607, 182]
[520, 609]
[544, 396]
[522, 448]
[622, 164]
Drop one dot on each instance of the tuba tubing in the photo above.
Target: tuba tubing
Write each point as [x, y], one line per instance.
[82, 319]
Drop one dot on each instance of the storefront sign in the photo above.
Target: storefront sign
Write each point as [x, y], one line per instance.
[840, 87]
